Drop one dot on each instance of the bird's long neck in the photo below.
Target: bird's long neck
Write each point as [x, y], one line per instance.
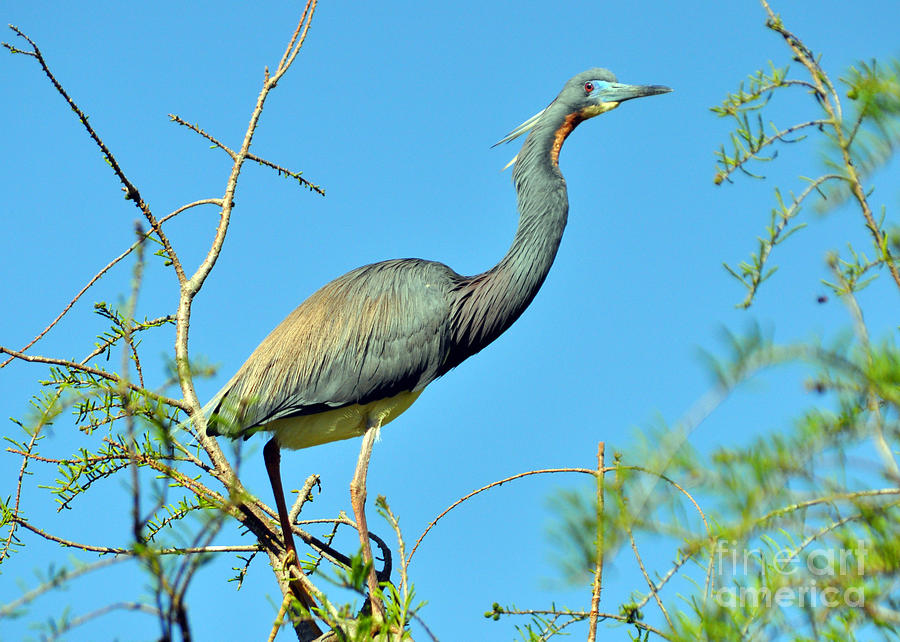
[488, 303]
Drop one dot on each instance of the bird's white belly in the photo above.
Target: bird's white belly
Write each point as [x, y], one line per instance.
[340, 423]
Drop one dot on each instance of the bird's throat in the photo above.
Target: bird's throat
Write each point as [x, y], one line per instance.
[572, 121]
[569, 124]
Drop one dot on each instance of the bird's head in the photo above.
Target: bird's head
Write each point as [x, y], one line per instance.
[596, 91]
[588, 94]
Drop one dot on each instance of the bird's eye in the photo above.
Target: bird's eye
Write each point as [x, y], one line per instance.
[588, 87]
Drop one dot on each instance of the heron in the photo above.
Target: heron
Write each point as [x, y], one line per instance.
[359, 351]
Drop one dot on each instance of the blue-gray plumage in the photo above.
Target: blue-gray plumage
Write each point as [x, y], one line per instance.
[358, 352]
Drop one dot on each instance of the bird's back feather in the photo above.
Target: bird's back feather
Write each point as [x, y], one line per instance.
[376, 332]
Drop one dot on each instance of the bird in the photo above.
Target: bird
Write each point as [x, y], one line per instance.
[358, 352]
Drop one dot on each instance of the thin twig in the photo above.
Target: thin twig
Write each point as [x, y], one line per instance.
[104, 270]
[785, 217]
[139, 327]
[104, 610]
[298, 176]
[97, 458]
[741, 161]
[10, 537]
[401, 551]
[184, 574]
[654, 591]
[190, 483]
[118, 551]
[303, 495]
[583, 615]
[131, 192]
[295, 44]
[586, 471]
[74, 365]
[598, 564]
[852, 495]
[279, 618]
[676, 566]
[137, 522]
[59, 578]
[196, 128]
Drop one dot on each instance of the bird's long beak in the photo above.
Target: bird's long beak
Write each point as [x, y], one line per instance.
[619, 93]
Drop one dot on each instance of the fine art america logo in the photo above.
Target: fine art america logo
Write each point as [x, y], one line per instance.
[807, 581]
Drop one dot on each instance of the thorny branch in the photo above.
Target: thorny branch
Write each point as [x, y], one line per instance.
[598, 567]
[282, 171]
[252, 513]
[131, 192]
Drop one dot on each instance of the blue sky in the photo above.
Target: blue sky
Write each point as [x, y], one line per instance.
[392, 107]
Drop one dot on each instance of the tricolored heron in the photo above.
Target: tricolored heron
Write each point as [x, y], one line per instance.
[358, 352]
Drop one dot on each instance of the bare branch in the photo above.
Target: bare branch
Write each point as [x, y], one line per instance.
[654, 591]
[196, 128]
[295, 45]
[119, 551]
[303, 495]
[250, 514]
[586, 471]
[282, 171]
[598, 566]
[131, 192]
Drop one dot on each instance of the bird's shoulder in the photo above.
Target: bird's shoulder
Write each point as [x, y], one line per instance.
[404, 292]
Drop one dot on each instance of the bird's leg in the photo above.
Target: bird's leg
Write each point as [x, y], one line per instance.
[272, 456]
[358, 502]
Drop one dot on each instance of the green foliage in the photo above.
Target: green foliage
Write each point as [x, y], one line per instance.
[853, 148]
[792, 536]
[798, 524]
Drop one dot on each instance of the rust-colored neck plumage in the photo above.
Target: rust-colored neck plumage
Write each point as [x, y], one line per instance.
[568, 126]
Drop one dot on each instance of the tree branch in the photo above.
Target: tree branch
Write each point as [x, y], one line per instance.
[74, 365]
[131, 192]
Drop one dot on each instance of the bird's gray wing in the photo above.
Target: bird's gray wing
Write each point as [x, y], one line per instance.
[373, 333]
